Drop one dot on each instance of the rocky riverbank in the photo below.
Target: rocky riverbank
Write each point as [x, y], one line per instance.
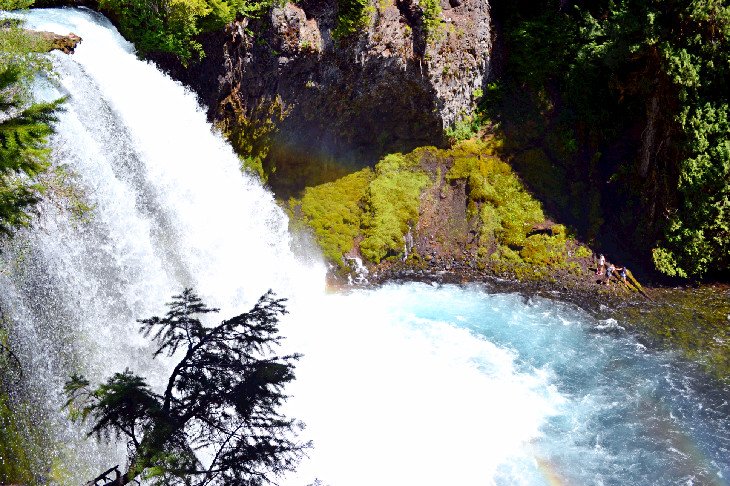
[461, 213]
[693, 320]
[460, 216]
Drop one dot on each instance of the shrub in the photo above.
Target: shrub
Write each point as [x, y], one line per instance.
[171, 26]
[463, 129]
[431, 17]
[666, 262]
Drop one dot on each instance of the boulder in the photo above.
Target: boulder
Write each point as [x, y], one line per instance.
[64, 43]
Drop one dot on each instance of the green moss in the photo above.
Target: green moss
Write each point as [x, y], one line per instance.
[374, 206]
[392, 205]
[518, 210]
[250, 131]
[694, 320]
[378, 209]
[544, 250]
[15, 464]
[334, 211]
[507, 212]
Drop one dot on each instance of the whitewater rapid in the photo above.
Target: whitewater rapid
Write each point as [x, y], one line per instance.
[403, 385]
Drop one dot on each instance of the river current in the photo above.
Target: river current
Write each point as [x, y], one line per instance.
[408, 384]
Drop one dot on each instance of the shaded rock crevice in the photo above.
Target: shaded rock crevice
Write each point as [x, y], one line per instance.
[349, 100]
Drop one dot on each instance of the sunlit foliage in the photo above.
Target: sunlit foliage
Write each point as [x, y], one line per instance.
[172, 26]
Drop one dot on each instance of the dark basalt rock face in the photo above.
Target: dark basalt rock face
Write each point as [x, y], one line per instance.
[389, 87]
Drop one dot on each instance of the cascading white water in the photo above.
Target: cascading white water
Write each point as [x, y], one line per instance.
[402, 385]
[170, 209]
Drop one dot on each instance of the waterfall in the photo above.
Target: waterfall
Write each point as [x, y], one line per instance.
[404, 384]
[169, 209]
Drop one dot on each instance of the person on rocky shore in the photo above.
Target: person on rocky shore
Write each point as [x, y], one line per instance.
[609, 271]
[601, 264]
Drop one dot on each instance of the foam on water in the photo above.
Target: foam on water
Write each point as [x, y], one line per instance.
[395, 397]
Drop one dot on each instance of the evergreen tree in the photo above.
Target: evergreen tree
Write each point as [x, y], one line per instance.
[221, 400]
[24, 124]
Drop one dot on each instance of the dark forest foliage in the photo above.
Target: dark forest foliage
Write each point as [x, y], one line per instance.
[629, 101]
[221, 400]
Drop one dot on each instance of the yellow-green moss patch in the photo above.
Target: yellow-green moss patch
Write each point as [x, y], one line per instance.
[334, 212]
[392, 205]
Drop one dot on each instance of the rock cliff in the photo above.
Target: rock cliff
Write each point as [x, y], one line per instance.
[390, 86]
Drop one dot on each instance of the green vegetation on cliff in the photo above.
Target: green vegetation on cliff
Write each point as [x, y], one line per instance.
[628, 101]
[372, 213]
[506, 210]
[171, 26]
[392, 205]
[250, 133]
[334, 211]
[431, 11]
[355, 15]
[352, 16]
[514, 235]
[376, 207]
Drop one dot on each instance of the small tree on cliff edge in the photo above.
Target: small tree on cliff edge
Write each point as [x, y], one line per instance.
[217, 422]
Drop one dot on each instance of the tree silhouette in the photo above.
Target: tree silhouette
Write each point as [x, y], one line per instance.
[217, 421]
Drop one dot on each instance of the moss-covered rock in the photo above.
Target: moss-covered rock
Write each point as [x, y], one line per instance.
[334, 212]
[392, 205]
[694, 320]
[433, 208]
